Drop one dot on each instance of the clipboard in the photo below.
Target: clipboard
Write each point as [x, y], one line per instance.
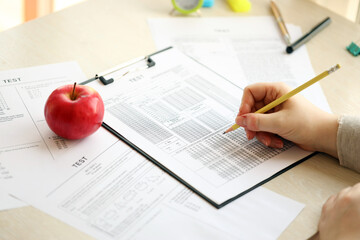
[149, 63]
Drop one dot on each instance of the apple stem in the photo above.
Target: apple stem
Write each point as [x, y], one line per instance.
[73, 92]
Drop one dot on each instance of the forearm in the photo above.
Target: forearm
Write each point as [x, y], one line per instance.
[327, 130]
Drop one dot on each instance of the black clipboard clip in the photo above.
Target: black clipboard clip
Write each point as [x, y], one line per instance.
[149, 63]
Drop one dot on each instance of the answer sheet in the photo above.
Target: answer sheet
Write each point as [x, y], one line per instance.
[27, 144]
[20, 133]
[121, 195]
[177, 112]
[245, 50]
[102, 187]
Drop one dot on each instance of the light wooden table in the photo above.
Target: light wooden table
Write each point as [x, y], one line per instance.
[99, 34]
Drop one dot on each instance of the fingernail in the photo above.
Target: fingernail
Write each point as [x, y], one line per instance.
[241, 121]
[278, 143]
[263, 140]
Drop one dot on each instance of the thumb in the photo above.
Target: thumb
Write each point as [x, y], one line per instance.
[259, 122]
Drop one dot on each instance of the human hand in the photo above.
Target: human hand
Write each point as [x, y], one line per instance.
[296, 119]
[340, 216]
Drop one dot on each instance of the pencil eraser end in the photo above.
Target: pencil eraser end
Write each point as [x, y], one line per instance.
[289, 49]
[239, 5]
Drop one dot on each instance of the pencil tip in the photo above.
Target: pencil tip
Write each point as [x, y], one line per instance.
[224, 132]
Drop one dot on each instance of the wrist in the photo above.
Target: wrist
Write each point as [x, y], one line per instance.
[326, 142]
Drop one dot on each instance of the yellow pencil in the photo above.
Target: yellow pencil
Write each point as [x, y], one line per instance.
[290, 94]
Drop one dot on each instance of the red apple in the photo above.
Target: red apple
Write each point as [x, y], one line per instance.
[74, 112]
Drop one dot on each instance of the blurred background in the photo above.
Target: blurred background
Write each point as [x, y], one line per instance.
[15, 12]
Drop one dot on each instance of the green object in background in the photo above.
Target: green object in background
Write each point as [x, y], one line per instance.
[353, 48]
[187, 6]
[240, 5]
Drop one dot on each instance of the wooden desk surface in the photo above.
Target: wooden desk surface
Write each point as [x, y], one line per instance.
[99, 34]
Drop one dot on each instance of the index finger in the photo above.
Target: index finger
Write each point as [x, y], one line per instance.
[259, 94]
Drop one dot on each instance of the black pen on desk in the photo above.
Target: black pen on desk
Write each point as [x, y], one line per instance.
[308, 36]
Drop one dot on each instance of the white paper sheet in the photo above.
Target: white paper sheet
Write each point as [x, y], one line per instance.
[107, 190]
[27, 144]
[8, 202]
[121, 195]
[177, 112]
[20, 136]
[245, 50]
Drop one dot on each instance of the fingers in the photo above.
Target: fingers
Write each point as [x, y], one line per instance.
[342, 194]
[341, 214]
[250, 134]
[329, 204]
[270, 140]
[259, 94]
[342, 198]
[256, 125]
[261, 122]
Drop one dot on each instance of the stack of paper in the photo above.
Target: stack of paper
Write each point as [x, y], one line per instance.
[117, 193]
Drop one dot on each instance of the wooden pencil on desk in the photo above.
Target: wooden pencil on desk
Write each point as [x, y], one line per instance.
[280, 22]
[290, 94]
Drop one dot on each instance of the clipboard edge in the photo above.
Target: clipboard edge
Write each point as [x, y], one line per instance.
[162, 167]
